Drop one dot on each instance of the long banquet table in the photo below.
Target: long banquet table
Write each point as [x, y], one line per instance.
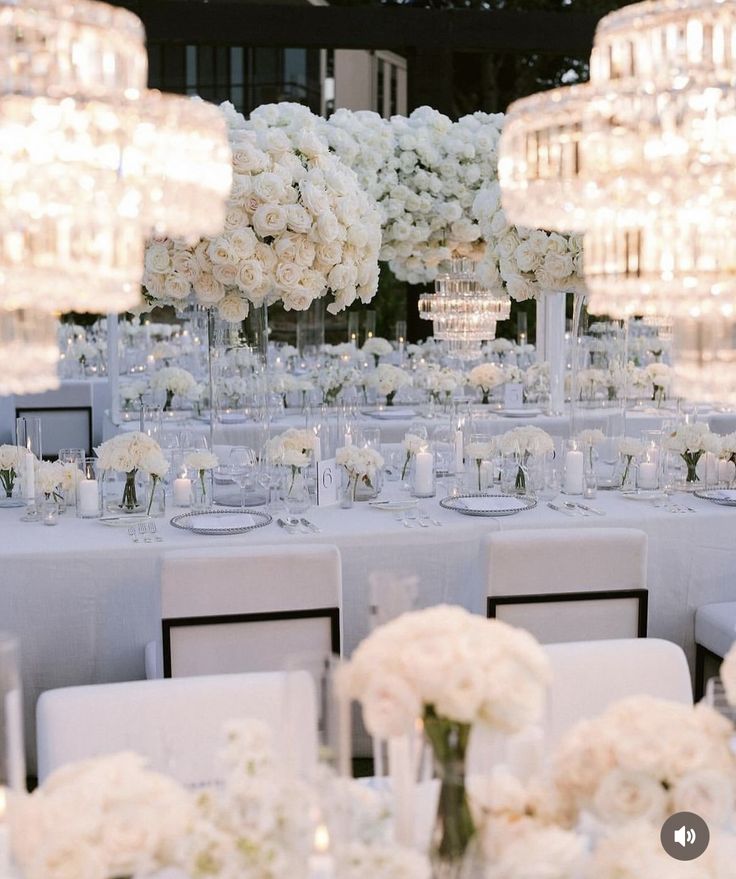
[84, 599]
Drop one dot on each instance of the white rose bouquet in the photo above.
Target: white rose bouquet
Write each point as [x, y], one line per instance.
[173, 381]
[692, 441]
[524, 443]
[486, 376]
[10, 464]
[284, 383]
[453, 669]
[298, 225]
[412, 444]
[479, 452]
[660, 376]
[128, 453]
[108, 816]
[590, 382]
[378, 347]
[387, 380]
[646, 758]
[362, 467]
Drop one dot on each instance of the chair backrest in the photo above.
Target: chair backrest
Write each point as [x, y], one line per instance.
[587, 676]
[565, 584]
[62, 427]
[255, 609]
[177, 724]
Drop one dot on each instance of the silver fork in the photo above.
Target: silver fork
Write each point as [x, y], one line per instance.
[132, 533]
[152, 530]
[426, 515]
[143, 533]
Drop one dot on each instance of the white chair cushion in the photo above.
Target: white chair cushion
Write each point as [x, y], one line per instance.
[177, 724]
[715, 626]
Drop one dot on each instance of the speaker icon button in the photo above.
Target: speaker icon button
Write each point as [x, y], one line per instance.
[685, 836]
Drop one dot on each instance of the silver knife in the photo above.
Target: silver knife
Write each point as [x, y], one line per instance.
[559, 509]
[310, 525]
[591, 510]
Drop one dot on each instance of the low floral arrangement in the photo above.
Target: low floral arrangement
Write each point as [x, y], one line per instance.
[589, 439]
[128, 453]
[525, 443]
[333, 379]
[292, 448]
[387, 380]
[661, 377]
[361, 466]
[10, 464]
[285, 383]
[629, 448]
[201, 461]
[175, 382]
[486, 376]
[646, 758]
[691, 441]
[133, 391]
[49, 476]
[452, 669]
[105, 817]
[377, 347]
[479, 452]
[440, 382]
[412, 444]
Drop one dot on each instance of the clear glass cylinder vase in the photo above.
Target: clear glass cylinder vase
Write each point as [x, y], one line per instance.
[125, 493]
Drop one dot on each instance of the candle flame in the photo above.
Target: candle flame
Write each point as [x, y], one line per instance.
[3, 803]
[321, 839]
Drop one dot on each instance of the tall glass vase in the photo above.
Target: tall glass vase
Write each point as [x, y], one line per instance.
[453, 851]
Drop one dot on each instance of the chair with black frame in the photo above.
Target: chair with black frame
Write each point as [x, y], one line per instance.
[715, 634]
[569, 584]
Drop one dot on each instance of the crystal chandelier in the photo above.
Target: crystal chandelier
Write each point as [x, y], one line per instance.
[29, 352]
[463, 313]
[653, 184]
[90, 161]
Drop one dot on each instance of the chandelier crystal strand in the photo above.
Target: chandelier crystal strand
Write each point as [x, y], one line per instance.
[704, 363]
[29, 352]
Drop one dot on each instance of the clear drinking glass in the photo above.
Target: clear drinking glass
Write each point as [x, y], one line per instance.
[242, 463]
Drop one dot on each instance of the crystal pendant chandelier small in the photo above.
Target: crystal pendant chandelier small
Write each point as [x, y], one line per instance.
[463, 313]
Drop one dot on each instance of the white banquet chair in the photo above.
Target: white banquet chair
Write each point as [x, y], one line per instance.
[564, 584]
[246, 609]
[178, 725]
[715, 634]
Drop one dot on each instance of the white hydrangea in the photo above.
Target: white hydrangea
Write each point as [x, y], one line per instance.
[387, 380]
[525, 441]
[174, 381]
[361, 465]
[298, 225]
[127, 452]
[486, 376]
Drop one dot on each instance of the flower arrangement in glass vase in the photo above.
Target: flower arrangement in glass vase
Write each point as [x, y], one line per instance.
[486, 377]
[588, 439]
[132, 392]
[203, 463]
[298, 225]
[479, 452]
[643, 759]
[362, 468]
[377, 347]
[523, 444]
[130, 453]
[104, 817]
[332, 379]
[284, 383]
[660, 377]
[174, 381]
[691, 442]
[454, 670]
[412, 444]
[49, 476]
[387, 380]
[293, 450]
[10, 466]
[628, 449]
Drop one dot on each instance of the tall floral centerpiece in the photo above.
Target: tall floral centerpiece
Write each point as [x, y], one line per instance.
[131, 453]
[691, 442]
[298, 225]
[453, 670]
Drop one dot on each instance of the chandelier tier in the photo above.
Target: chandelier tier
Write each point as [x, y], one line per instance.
[463, 313]
[29, 352]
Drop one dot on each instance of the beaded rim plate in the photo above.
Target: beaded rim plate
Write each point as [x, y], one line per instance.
[723, 496]
[520, 413]
[227, 520]
[513, 504]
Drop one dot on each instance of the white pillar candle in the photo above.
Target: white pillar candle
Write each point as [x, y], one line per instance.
[726, 471]
[317, 450]
[348, 438]
[486, 475]
[423, 465]
[574, 472]
[647, 475]
[321, 864]
[458, 451]
[182, 491]
[87, 497]
[29, 477]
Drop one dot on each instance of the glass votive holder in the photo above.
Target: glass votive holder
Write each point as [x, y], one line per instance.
[423, 475]
[647, 474]
[89, 494]
[49, 511]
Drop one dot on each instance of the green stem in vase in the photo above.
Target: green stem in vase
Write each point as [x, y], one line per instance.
[390, 398]
[455, 828]
[201, 482]
[130, 498]
[691, 462]
[485, 398]
[406, 465]
[520, 484]
[626, 470]
[169, 400]
[479, 461]
[154, 480]
[7, 479]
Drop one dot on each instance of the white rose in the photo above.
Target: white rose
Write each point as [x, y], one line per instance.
[328, 228]
[288, 275]
[208, 289]
[625, 796]
[185, 264]
[558, 265]
[706, 792]
[233, 308]
[176, 287]
[157, 258]
[243, 242]
[268, 187]
[269, 220]
[250, 275]
[298, 219]
[390, 706]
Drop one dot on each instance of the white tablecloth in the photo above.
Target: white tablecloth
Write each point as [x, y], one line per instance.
[84, 599]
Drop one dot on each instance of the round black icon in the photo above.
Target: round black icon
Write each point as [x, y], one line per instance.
[685, 836]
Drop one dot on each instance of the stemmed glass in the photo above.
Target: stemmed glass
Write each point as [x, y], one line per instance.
[242, 463]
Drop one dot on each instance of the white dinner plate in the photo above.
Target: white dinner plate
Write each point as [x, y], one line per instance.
[393, 506]
[644, 494]
[726, 497]
[221, 521]
[487, 504]
[519, 413]
[390, 414]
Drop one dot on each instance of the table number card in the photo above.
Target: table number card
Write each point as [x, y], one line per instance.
[328, 481]
[513, 395]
